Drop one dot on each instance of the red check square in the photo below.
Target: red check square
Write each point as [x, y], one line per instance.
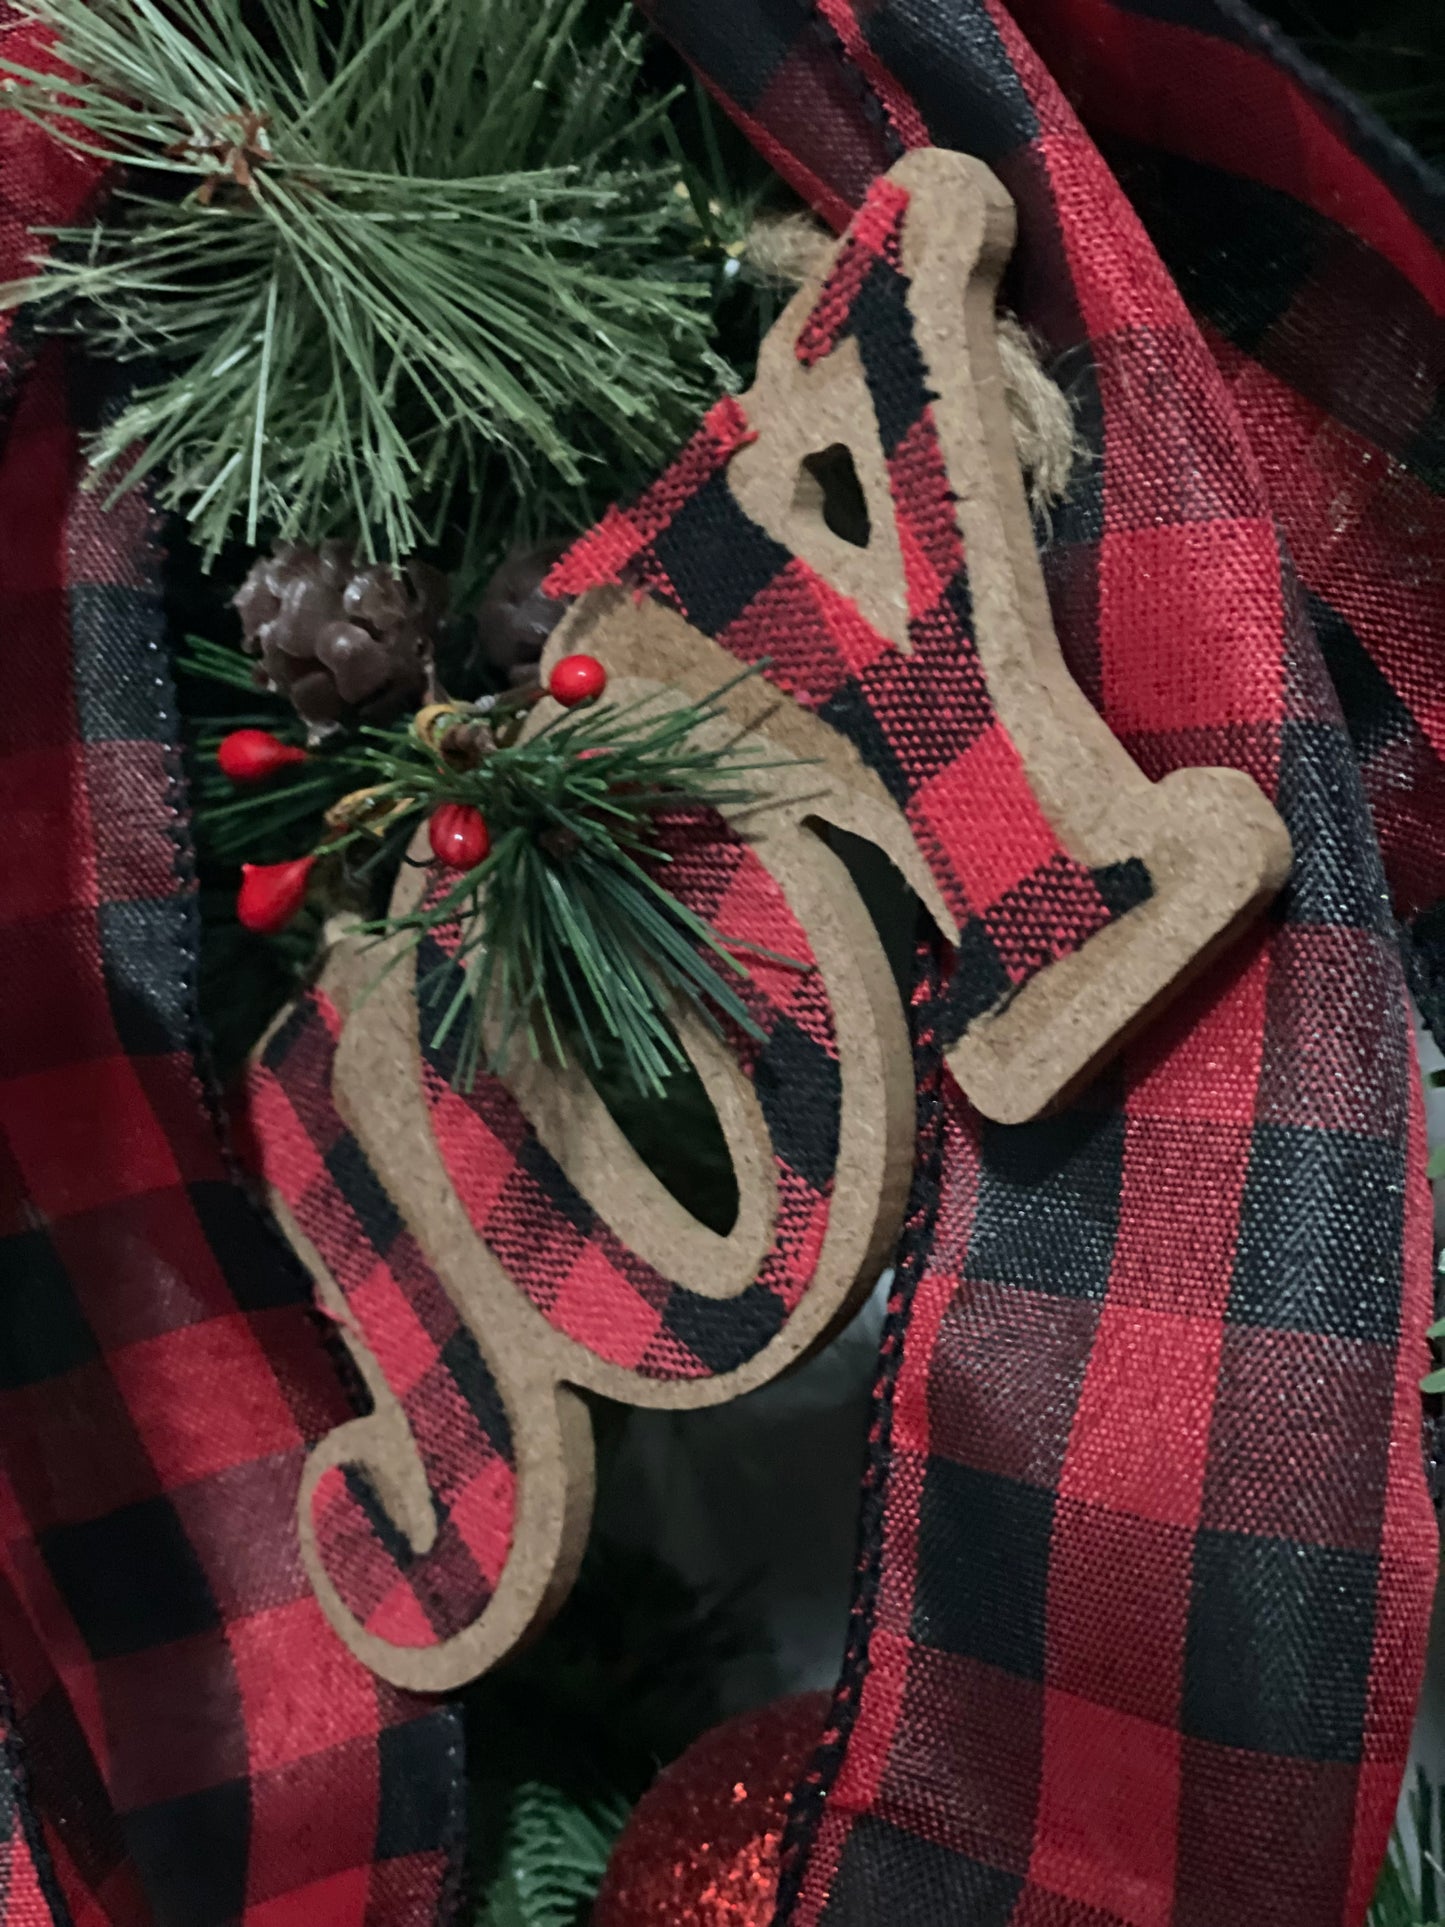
[603, 1310]
[47, 858]
[85, 1136]
[1108, 1805]
[1121, 1644]
[281, 1725]
[1140, 1440]
[186, 1437]
[1175, 601]
[987, 857]
[390, 1328]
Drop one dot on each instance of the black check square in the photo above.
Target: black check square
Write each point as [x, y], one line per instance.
[131, 1579]
[68, 1785]
[1240, 251]
[724, 1333]
[192, 1855]
[800, 1092]
[263, 1272]
[982, 1590]
[1300, 1691]
[1321, 1230]
[110, 626]
[1336, 877]
[1048, 1208]
[150, 1002]
[43, 1331]
[1374, 714]
[462, 1358]
[955, 66]
[717, 558]
[893, 364]
[413, 1801]
[369, 1199]
[889, 1876]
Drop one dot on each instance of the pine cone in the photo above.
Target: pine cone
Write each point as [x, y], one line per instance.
[515, 616]
[347, 644]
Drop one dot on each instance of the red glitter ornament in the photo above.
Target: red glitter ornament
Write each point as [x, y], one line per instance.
[577, 679]
[272, 893]
[459, 836]
[251, 755]
[701, 1850]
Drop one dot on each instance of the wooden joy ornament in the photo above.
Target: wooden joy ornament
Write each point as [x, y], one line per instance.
[492, 1253]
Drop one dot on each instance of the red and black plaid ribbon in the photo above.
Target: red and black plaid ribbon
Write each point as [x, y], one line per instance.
[923, 721]
[185, 1742]
[1145, 1557]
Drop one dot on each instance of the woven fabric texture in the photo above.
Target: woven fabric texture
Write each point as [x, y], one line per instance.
[556, 1248]
[923, 721]
[1146, 1554]
[28, 1895]
[193, 1745]
[398, 1309]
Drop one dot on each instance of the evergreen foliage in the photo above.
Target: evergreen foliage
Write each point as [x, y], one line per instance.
[566, 934]
[376, 264]
[1411, 1890]
[554, 1854]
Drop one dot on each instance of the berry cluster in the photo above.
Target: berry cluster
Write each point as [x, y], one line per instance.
[271, 894]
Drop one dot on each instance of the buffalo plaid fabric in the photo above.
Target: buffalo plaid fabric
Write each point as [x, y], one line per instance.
[183, 1740]
[923, 722]
[1021, 901]
[581, 1277]
[408, 1324]
[557, 1250]
[28, 1897]
[1146, 1554]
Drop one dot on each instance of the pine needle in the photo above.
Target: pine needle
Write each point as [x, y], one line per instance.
[554, 1855]
[372, 261]
[1411, 1889]
[566, 935]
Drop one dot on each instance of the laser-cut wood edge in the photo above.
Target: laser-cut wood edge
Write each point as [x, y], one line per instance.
[377, 1088]
[1215, 848]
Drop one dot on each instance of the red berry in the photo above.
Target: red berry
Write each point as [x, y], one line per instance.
[459, 835]
[251, 755]
[272, 893]
[577, 679]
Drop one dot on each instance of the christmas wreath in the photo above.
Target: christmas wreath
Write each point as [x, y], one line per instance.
[421, 1027]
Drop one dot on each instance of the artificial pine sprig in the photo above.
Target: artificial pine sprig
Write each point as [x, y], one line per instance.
[1411, 1889]
[565, 932]
[553, 1856]
[558, 928]
[377, 259]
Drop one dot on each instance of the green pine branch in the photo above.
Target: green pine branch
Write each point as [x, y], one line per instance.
[566, 934]
[553, 1856]
[375, 263]
[1411, 1888]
